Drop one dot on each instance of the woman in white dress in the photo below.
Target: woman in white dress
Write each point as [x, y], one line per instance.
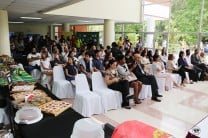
[46, 70]
[145, 61]
[159, 71]
[173, 68]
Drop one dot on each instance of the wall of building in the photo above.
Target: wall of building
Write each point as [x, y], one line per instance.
[29, 28]
[80, 28]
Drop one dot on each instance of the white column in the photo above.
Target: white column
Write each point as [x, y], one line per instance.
[150, 28]
[4, 34]
[66, 27]
[109, 32]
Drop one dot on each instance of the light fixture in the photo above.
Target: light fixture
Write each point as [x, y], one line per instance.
[16, 22]
[57, 24]
[32, 18]
[83, 21]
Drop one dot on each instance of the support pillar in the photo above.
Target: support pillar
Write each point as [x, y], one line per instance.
[150, 34]
[66, 27]
[4, 34]
[109, 32]
[52, 31]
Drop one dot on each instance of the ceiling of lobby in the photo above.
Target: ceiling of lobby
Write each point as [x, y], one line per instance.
[34, 8]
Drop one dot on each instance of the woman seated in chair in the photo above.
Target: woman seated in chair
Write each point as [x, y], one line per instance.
[46, 70]
[70, 70]
[159, 71]
[145, 61]
[173, 68]
[125, 74]
[193, 73]
[57, 61]
[114, 82]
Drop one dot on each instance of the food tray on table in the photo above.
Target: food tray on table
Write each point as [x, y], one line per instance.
[22, 88]
[20, 96]
[55, 107]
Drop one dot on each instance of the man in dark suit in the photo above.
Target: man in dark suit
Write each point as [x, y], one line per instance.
[145, 78]
[196, 61]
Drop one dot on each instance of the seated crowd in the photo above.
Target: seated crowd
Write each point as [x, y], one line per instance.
[116, 64]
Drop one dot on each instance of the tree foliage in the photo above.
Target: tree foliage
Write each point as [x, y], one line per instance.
[184, 23]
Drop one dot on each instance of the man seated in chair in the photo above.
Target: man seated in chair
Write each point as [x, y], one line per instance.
[86, 67]
[195, 60]
[98, 61]
[34, 60]
[145, 78]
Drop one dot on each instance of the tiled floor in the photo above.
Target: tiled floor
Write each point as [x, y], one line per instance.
[179, 110]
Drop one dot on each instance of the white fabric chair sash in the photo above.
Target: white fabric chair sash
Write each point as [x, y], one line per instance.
[62, 88]
[86, 102]
[110, 99]
[87, 128]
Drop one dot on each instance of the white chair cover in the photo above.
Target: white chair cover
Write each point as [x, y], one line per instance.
[61, 87]
[160, 80]
[36, 74]
[87, 128]
[145, 92]
[177, 78]
[86, 102]
[161, 84]
[3, 117]
[110, 99]
[46, 80]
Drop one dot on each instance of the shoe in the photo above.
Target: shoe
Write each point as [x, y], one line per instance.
[159, 95]
[191, 82]
[155, 99]
[129, 97]
[137, 101]
[127, 107]
[183, 84]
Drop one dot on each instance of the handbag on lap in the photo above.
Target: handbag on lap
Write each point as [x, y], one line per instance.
[131, 77]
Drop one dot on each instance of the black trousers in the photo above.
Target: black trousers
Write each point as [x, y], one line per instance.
[150, 80]
[123, 87]
[193, 73]
[204, 69]
[181, 72]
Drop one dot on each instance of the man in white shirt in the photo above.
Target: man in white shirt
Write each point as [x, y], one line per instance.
[65, 54]
[34, 59]
[188, 60]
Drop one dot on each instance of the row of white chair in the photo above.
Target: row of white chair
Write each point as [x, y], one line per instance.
[61, 88]
[87, 102]
[161, 81]
[98, 101]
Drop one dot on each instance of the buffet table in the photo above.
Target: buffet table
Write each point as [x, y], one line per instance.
[49, 126]
[60, 126]
[4, 86]
[24, 77]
